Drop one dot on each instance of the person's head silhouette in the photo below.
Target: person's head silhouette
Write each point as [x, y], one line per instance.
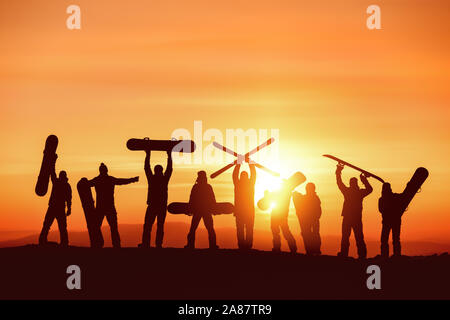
[201, 177]
[63, 176]
[158, 170]
[354, 183]
[103, 169]
[310, 188]
[244, 175]
[386, 189]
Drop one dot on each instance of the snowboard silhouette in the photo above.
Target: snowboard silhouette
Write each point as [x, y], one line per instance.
[46, 166]
[184, 208]
[161, 145]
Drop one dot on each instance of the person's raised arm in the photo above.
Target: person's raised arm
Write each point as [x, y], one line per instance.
[122, 181]
[237, 167]
[169, 167]
[339, 182]
[147, 168]
[252, 173]
[368, 188]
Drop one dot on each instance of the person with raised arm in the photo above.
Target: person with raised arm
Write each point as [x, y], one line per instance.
[104, 185]
[244, 205]
[158, 182]
[352, 212]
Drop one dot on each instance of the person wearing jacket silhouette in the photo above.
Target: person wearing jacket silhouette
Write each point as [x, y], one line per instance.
[391, 207]
[281, 200]
[352, 212]
[308, 211]
[201, 203]
[104, 185]
[244, 205]
[156, 200]
[60, 198]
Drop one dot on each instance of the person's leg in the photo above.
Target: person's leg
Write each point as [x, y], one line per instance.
[249, 230]
[191, 235]
[359, 237]
[345, 240]
[112, 221]
[275, 227]
[240, 231]
[288, 235]
[315, 229]
[209, 224]
[384, 246]
[48, 220]
[396, 238]
[160, 226]
[62, 226]
[305, 228]
[148, 223]
[99, 241]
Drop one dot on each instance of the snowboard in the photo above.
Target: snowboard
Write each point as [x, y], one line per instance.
[46, 166]
[184, 208]
[413, 186]
[345, 163]
[293, 182]
[92, 220]
[173, 145]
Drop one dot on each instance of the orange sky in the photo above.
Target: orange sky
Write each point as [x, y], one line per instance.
[308, 68]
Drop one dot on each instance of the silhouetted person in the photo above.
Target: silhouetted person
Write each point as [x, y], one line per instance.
[201, 202]
[244, 205]
[156, 200]
[61, 196]
[308, 211]
[279, 218]
[391, 207]
[104, 188]
[352, 212]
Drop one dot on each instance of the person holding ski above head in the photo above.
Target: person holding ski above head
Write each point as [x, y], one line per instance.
[352, 212]
[156, 199]
[104, 188]
[201, 202]
[308, 211]
[244, 207]
[60, 197]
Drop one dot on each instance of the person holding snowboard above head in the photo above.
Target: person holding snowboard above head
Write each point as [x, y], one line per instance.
[308, 211]
[201, 202]
[156, 199]
[61, 196]
[391, 207]
[352, 212]
[104, 185]
[279, 218]
[244, 206]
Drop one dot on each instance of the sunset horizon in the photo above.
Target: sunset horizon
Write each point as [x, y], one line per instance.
[320, 77]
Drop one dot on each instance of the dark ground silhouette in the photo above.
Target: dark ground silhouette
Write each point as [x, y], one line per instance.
[34, 272]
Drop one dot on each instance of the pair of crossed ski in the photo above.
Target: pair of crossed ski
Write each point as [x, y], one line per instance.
[244, 158]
